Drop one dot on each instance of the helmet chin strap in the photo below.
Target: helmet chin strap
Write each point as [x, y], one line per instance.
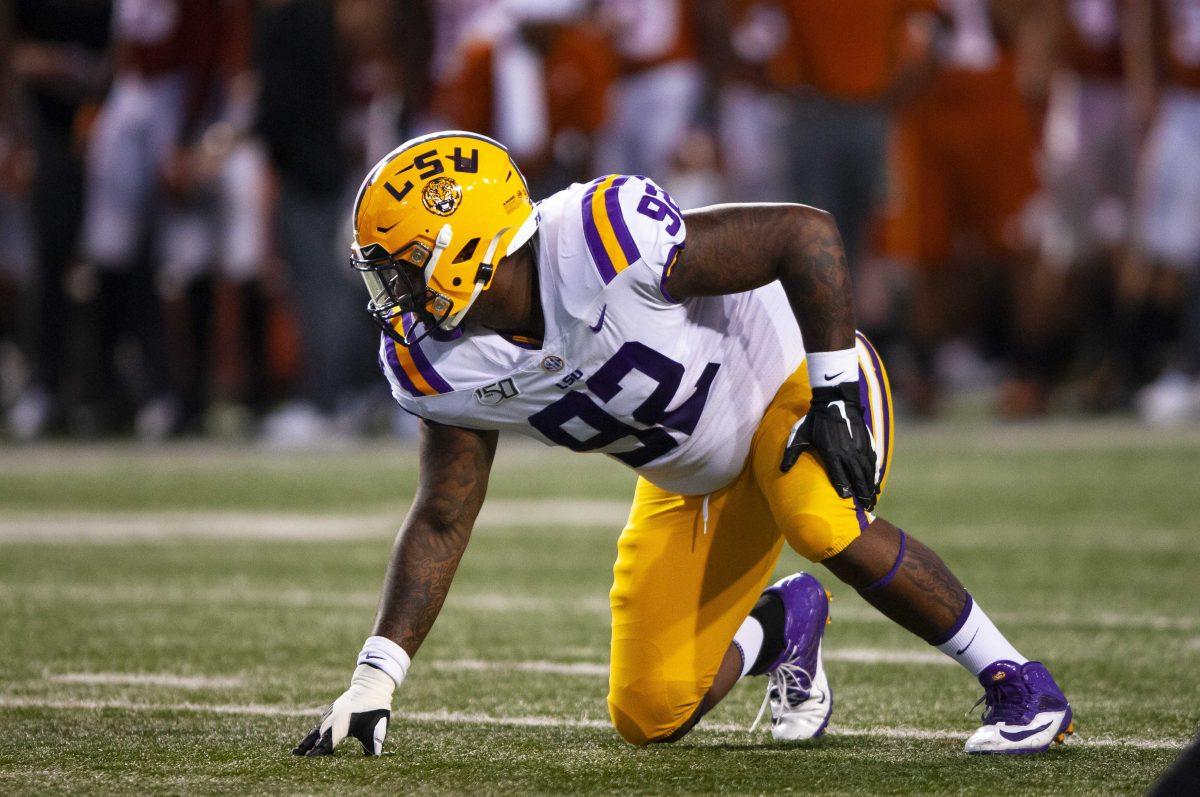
[439, 246]
[451, 323]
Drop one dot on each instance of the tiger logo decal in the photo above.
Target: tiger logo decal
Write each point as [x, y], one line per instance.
[442, 195]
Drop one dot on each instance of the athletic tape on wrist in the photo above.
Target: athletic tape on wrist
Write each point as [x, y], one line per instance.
[889, 575]
[384, 654]
[829, 368]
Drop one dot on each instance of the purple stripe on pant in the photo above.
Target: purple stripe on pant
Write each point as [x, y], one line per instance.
[882, 436]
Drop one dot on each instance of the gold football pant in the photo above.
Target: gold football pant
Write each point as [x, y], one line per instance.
[690, 568]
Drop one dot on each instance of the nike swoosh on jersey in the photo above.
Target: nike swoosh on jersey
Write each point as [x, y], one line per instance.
[835, 376]
[600, 321]
[1019, 735]
[964, 648]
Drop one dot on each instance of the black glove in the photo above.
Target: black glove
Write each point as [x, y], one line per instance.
[834, 430]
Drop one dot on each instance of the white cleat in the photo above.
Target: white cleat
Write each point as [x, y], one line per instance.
[801, 704]
[797, 690]
[1046, 729]
[1026, 711]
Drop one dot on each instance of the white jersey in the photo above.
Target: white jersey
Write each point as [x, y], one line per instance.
[674, 390]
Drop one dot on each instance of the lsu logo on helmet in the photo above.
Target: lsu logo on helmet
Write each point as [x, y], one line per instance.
[441, 196]
[431, 222]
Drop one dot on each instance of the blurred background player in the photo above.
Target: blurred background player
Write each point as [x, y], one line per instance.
[163, 64]
[321, 118]
[962, 175]
[657, 96]
[537, 75]
[982, 156]
[853, 62]
[1066, 310]
[1159, 295]
[56, 72]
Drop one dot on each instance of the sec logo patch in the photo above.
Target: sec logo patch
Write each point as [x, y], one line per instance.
[552, 363]
[442, 195]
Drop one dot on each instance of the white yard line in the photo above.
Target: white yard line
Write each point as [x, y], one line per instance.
[126, 526]
[298, 597]
[477, 718]
[600, 669]
[146, 679]
[510, 516]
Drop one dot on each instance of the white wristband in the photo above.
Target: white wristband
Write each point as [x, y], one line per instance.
[384, 654]
[829, 368]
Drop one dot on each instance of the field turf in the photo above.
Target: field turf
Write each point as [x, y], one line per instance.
[172, 620]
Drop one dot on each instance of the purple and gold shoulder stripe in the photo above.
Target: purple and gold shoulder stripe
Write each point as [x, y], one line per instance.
[608, 239]
[413, 371]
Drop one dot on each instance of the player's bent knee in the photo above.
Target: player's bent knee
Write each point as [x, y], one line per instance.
[817, 538]
[642, 717]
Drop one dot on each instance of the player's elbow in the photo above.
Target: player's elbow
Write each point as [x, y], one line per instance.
[442, 518]
[809, 223]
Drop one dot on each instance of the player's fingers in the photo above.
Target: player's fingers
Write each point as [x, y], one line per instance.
[324, 745]
[797, 444]
[307, 742]
[836, 472]
[863, 476]
[370, 728]
[791, 455]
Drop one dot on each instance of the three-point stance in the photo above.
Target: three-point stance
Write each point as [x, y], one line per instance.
[605, 320]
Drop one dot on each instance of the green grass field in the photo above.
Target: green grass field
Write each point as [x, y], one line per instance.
[172, 620]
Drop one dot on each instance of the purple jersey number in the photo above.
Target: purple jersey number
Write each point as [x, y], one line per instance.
[658, 205]
[652, 414]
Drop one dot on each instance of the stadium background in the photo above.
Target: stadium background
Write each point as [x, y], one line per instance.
[201, 467]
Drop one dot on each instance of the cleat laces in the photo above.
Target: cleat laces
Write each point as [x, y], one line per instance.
[790, 685]
[1005, 701]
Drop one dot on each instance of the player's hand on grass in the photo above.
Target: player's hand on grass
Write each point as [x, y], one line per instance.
[362, 712]
[835, 432]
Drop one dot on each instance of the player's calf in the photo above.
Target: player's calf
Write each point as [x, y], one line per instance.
[906, 581]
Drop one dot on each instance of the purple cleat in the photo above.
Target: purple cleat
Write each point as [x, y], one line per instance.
[798, 691]
[1025, 710]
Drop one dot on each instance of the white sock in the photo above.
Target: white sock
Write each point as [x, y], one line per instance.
[977, 642]
[749, 639]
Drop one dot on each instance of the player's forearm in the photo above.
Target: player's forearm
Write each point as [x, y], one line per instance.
[424, 560]
[455, 464]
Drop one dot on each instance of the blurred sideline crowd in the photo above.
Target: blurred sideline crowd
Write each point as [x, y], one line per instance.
[1017, 183]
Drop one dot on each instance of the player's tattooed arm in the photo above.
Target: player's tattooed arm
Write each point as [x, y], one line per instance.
[455, 464]
[736, 248]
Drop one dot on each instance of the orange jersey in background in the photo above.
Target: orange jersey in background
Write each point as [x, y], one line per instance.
[961, 164]
[577, 69]
[847, 50]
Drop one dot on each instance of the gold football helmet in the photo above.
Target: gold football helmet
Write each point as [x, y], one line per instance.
[431, 221]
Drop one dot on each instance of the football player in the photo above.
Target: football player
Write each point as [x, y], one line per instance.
[712, 351]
